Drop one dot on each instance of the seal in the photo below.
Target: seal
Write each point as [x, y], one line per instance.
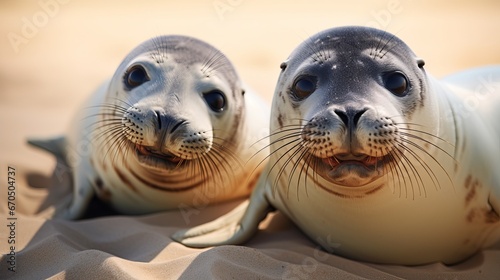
[173, 128]
[374, 159]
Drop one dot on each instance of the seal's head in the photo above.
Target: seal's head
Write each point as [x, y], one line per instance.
[173, 101]
[349, 95]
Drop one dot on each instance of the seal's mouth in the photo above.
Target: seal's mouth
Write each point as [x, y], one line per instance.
[344, 160]
[352, 170]
[154, 158]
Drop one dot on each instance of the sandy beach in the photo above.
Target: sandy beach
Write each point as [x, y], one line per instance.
[54, 53]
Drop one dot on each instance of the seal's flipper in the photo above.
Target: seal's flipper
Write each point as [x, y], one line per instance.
[494, 196]
[84, 177]
[235, 227]
[55, 146]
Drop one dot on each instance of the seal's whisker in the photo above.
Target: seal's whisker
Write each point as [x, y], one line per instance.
[402, 169]
[206, 169]
[110, 140]
[300, 152]
[290, 156]
[108, 116]
[99, 125]
[307, 162]
[103, 115]
[389, 171]
[395, 168]
[114, 131]
[409, 169]
[160, 49]
[428, 134]
[294, 143]
[316, 54]
[290, 135]
[227, 152]
[422, 163]
[375, 51]
[120, 146]
[264, 148]
[428, 142]
[427, 153]
[386, 47]
[218, 158]
[306, 157]
[110, 107]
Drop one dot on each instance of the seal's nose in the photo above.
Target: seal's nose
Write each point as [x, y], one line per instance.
[350, 117]
[165, 123]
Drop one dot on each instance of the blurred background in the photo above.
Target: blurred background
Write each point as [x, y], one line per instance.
[54, 53]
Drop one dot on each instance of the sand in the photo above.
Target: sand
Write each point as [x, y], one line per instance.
[55, 53]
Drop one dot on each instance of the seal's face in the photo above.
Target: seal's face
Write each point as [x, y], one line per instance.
[348, 96]
[178, 103]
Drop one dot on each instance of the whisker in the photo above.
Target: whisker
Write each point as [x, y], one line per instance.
[287, 161]
[428, 142]
[405, 162]
[281, 157]
[426, 166]
[398, 165]
[300, 150]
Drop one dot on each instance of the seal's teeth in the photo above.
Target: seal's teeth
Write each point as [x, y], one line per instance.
[372, 160]
[142, 149]
[332, 161]
[369, 160]
[147, 151]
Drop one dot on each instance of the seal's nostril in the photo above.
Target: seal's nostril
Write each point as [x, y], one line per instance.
[350, 116]
[177, 125]
[343, 116]
[357, 116]
[158, 118]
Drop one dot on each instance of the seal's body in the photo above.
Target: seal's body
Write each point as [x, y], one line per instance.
[372, 158]
[173, 128]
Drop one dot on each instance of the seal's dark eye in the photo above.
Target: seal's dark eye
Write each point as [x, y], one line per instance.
[136, 76]
[397, 83]
[215, 100]
[303, 87]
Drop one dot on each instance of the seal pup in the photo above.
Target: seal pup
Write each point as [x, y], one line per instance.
[173, 128]
[374, 159]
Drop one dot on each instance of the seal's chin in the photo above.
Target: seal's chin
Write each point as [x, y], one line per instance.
[351, 170]
[151, 158]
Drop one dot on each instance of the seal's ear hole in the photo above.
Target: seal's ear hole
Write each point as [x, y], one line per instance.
[420, 62]
[283, 65]
[216, 100]
[396, 83]
[303, 87]
[135, 76]
[242, 92]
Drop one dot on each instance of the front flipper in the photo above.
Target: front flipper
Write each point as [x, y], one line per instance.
[84, 175]
[55, 146]
[235, 227]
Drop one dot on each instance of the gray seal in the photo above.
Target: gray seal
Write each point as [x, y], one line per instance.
[373, 158]
[175, 127]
